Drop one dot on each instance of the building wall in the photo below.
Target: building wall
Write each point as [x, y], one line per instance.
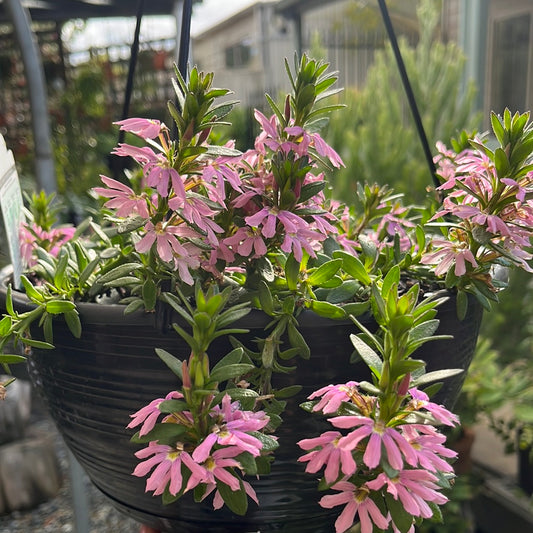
[509, 56]
[261, 38]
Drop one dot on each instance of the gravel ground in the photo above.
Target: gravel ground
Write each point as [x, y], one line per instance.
[57, 514]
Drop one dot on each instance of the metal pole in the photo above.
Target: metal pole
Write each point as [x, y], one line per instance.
[34, 72]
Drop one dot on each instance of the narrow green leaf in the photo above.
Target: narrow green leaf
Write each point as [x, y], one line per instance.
[353, 266]
[73, 322]
[326, 309]
[31, 292]
[149, 292]
[172, 362]
[230, 371]
[173, 406]
[38, 344]
[436, 376]
[11, 358]
[57, 307]
[233, 357]
[292, 271]
[368, 355]
[324, 272]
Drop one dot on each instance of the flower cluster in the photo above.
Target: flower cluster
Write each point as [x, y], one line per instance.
[402, 458]
[487, 207]
[186, 464]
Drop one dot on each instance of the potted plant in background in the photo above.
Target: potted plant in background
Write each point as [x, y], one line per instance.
[254, 288]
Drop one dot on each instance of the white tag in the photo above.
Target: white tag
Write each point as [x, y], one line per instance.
[12, 208]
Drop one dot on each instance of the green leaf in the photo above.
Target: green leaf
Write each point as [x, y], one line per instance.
[73, 322]
[59, 276]
[324, 272]
[149, 292]
[9, 300]
[502, 163]
[368, 355]
[5, 326]
[461, 304]
[356, 308]
[437, 375]
[233, 357]
[172, 406]
[326, 309]
[269, 443]
[118, 272]
[11, 358]
[353, 266]
[401, 518]
[265, 298]
[41, 345]
[172, 362]
[288, 392]
[57, 307]
[292, 271]
[166, 432]
[230, 371]
[423, 330]
[497, 127]
[297, 340]
[236, 500]
[247, 461]
[32, 293]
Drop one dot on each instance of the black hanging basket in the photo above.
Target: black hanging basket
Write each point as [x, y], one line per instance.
[93, 384]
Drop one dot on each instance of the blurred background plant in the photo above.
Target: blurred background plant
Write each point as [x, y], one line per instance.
[380, 122]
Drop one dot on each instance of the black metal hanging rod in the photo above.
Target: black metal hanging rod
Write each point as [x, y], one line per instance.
[408, 90]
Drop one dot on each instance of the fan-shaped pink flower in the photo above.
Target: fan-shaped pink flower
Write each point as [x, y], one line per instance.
[148, 415]
[327, 453]
[122, 198]
[143, 127]
[380, 436]
[357, 502]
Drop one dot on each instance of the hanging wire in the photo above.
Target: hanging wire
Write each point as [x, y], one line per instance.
[409, 91]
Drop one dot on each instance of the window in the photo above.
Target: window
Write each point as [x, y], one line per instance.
[238, 55]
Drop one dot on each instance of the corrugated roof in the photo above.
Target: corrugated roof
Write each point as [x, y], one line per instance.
[61, 10]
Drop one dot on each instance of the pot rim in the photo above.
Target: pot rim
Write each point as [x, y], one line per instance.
[102, 313]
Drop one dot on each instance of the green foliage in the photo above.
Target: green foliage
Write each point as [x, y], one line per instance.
[377, 138]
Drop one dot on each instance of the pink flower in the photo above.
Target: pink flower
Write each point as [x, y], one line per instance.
[440, 413]
[216, 467]
[33, 237]
[122, 198]
[333, 396]
[327, 453]
[169, 247]
[143, 127]
[380, 436]
[414, 488]
[429, 446]
[447, 254]
[232, 429]
[142, 155]
[148, 415]
[167, 462]
[356, 501]
[196, 211]
[245, 240]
